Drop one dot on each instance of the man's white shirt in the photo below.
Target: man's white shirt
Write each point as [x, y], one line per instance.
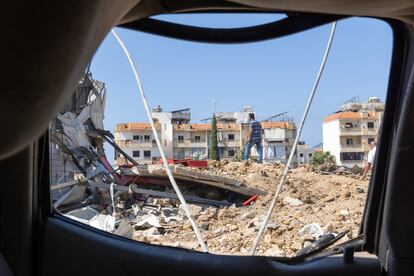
[371, 155]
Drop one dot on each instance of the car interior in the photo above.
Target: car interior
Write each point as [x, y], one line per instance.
[46, 48]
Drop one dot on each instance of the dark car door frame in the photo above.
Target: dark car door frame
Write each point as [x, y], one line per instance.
[35, 241]
[80, 246]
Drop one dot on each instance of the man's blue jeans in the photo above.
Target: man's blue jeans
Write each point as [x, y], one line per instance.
[249, 146]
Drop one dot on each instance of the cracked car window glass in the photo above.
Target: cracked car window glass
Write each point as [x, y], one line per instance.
[226, 117]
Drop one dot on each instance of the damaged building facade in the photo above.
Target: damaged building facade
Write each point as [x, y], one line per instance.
[348, 133]
[69, 140]
[182, 139]
[87, 188]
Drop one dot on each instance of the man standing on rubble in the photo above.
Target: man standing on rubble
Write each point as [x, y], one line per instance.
[371, 157]
[254, 137]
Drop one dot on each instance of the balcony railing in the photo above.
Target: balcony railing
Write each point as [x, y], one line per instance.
[136, 143]
[351, 146]
[351, 129]
[355, 148]
[190, 143]
[182, 143]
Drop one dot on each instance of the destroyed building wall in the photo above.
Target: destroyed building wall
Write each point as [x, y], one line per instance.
[68, 131]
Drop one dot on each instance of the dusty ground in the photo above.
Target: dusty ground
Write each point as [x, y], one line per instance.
[335, 202]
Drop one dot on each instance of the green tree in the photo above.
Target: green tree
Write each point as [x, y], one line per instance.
[214, 150]
[320, 158]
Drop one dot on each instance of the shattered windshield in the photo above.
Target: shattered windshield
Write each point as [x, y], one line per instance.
[222, 136]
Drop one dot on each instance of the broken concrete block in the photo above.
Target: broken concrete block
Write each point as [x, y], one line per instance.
[272, 225]
[344, 213]
[312, 229]
[195, 210]
[360, 190]
[75, 195]
[170, 214]
[91, 217]
[248, 215]
[292, 201]
[148, 221]
[205, 226]
[153, 232]
[124, 229]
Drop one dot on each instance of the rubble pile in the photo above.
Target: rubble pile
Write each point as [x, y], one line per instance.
[328, 203]
[333, 203]
[227, 199]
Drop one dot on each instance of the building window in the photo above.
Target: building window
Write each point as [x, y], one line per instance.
[349, 141]
[180, 138]
[135, 153]
[165, 126]
[370, 124]
[370, 140]
[230, 152]
[197, 138]
[301, 155]
[350, 156]
[230, 136]
[310, 155]
[165, 142]
[348, 125]
[135, 137]
[147, 154]
[147, 138]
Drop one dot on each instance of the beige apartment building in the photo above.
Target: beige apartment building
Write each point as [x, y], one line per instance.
[348, 133]
[181, 139]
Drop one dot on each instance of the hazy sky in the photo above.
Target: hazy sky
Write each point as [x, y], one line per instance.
[272, 76]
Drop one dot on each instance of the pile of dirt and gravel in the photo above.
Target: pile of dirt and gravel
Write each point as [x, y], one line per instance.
[332, 201]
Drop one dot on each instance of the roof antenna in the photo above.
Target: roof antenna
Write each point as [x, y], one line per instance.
[292, 152]
[160, 148]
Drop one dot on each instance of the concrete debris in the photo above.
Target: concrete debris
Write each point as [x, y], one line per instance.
[331, 168]
[205, 226]
[272, 225]
[75, 194]
[292, 201]
[330, 208]
[93, 218]
[153, 232]
[148, 221]
[170, 214]
[312, 229]
[360, 190]
[194, 210]
[344, 212]
[124, 229]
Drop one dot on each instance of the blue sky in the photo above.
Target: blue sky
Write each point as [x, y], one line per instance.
[272, 76]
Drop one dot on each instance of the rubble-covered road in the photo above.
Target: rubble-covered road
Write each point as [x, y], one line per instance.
[335, 202]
